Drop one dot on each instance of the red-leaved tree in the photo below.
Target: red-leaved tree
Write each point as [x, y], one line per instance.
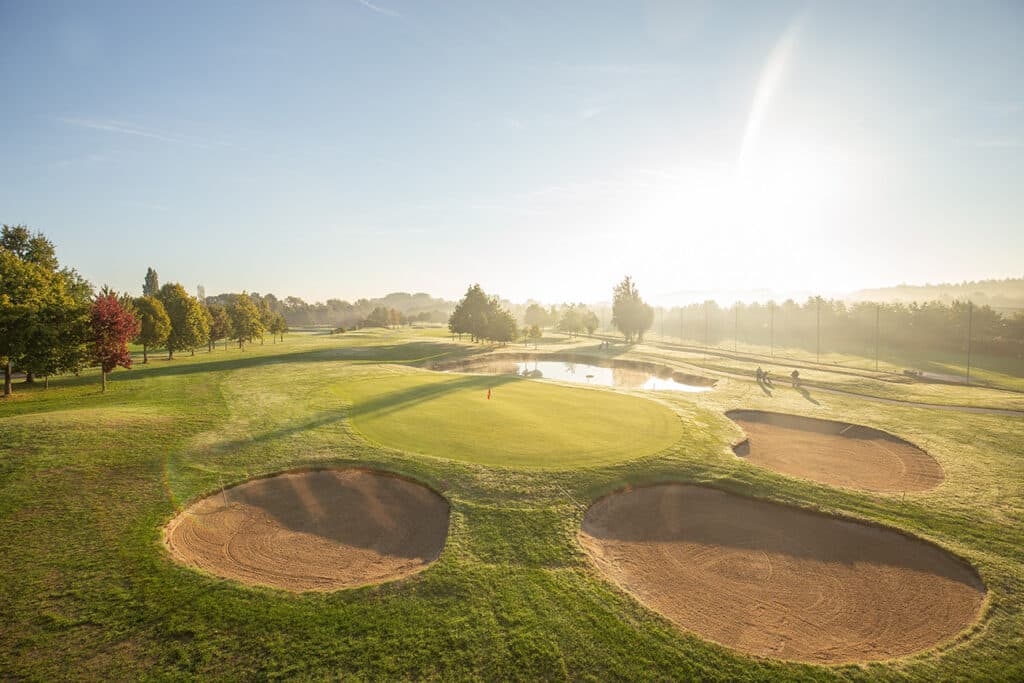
[112, 328]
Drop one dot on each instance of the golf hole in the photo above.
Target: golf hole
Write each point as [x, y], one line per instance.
[835, 453]
[318, 530]
[774, 581]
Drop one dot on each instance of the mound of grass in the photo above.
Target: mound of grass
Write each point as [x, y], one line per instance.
[525, 423]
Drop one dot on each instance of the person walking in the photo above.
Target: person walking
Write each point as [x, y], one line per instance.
[795, 375]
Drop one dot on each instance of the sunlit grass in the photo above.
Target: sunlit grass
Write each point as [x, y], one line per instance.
[87, 480]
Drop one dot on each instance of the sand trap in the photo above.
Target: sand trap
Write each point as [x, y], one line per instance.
[835, 453]
[774, 581]
[319, 530]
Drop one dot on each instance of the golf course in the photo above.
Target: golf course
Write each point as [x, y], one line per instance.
[327, 506]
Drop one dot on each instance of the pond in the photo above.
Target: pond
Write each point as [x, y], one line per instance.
[585, 373]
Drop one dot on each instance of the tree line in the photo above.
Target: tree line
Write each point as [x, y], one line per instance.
[855, 328]
[341, 314]
[53, 322]
[483, 317]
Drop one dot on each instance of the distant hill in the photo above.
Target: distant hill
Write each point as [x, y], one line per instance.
[1005, 294]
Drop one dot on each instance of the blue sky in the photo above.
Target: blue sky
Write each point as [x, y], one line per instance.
[347, 148]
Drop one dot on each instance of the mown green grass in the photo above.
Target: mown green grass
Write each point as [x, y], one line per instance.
[87, 480]
[524, 423]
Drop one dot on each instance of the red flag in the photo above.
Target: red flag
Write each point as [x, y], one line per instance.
[488, 394]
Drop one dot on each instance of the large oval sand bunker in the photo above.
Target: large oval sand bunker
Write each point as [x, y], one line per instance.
[313, 530]
[835, 453]
[775, 581]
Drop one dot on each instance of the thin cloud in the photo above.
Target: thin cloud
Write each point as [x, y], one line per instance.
[111, 126]
[380, 10]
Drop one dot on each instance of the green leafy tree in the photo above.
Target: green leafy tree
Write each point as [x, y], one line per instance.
[220, 324]
[188, 324]
[151, 287]
[246, 323]
[470, 315]
[630, 315]
[58, 340]
[590, 321]
[29, 247]
[501, 325]
[278, 327]
[482, 317]
[154, 324]
[266, 314]
[43, 326]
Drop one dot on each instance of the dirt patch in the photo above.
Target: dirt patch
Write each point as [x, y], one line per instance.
[313, 530]
[835, 453]
[775, 581]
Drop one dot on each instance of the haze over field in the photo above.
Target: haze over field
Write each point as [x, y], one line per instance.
[348, 149]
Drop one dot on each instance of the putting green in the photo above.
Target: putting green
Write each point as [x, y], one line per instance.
[525, 423]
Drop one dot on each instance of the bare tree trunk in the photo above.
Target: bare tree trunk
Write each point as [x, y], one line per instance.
[170, 353]
[145, 355]
[46, 381]
[103, 373]
[7, 378]
[193, 351]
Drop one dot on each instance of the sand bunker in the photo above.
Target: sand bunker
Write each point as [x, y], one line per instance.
[774, 581]
[835, 453]
[319, 530]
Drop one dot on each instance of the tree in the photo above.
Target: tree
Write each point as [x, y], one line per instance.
[470, 315]
[266, 315]
[590, 321]
[154, 324]
[501, 326]
[58, 339]
[535, 334]
[379, 317]
[220, 323]
[111, 328]
[28, 247]
[246, 324]
[536, 315]
[152, 284]
[571, 321]
[630, 314]
[278, 326]
[188, 324]
[482, 317]
[43, 311]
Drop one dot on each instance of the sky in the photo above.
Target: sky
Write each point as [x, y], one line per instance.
[350, 148]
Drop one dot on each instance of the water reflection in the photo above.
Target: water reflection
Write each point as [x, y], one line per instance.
[584, 373]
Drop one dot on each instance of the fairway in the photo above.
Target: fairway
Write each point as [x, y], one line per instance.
[525, 423]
